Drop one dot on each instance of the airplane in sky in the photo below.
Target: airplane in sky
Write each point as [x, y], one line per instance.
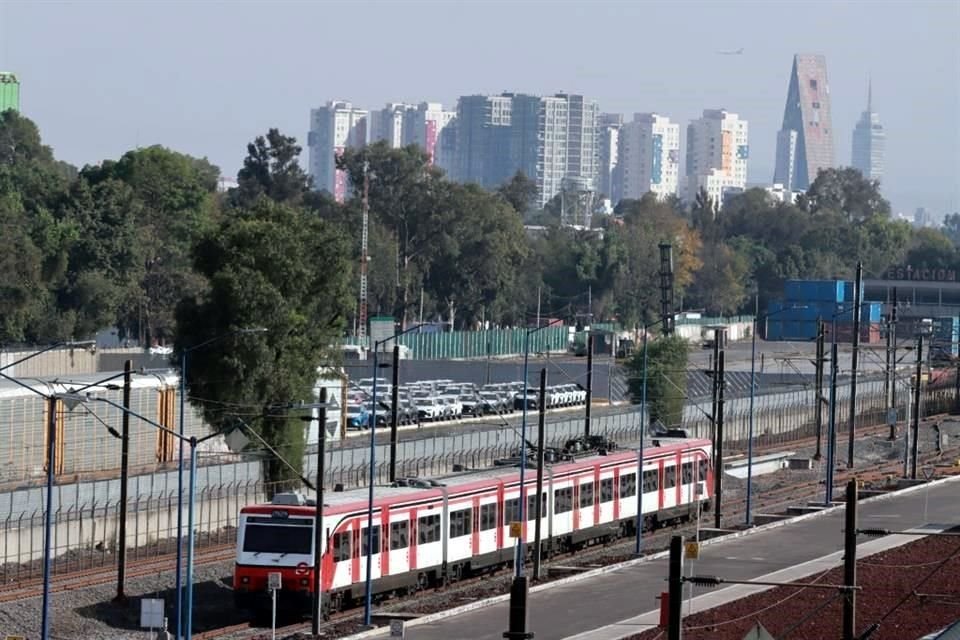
[738, 52]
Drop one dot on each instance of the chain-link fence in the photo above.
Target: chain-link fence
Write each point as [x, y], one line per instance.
[86, 523]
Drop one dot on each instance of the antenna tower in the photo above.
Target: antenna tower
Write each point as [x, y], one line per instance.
[362, 313]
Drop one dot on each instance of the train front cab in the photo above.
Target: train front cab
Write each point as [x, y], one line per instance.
[274, 539]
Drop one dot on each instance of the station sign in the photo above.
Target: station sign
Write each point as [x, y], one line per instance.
[920, 274]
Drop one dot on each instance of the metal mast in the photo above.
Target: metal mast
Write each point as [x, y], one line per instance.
[362, 311]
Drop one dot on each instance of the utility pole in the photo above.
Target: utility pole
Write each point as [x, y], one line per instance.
[587, 409]
[364, 248]
[718, 465]
[318, 515]
[832, 430]
[666, 288]
[818, 415]
[850, 563]
[715, 376]
[394, 410]
[541, 440]
[857, 303]
[893, 351]
[888, 377]
[675, 589]
[121, 596]
[915, 427]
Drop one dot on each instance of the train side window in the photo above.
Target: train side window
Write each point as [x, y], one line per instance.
[532, 506]
[650, 481]
[606, 490]
[488, 516]
[563, 500]
[460, 523]
[364, 538]
[428, 529]
[586, 495]
[399, 535]
[669, 477]
[686, 473]
[341, 546]
[628, 485]
[701, 470]
[511, 511]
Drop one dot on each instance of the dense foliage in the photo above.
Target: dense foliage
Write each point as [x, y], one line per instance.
[665, 376]
[146, 244]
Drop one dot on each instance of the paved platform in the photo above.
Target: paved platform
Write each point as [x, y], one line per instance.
[620, 602]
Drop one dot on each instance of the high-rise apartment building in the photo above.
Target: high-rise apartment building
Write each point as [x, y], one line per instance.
[548, 138]
[805, 141]
[334, 128]
[609, 182]
[425, 126]
[387, 124]
[401, 124]
[483, 136]
[649, 156]
[717, 154]
[9, 91]
[869, 141]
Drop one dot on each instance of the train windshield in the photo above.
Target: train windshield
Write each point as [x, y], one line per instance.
[271, 538]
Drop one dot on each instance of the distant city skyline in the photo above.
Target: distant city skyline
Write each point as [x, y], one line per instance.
[214, 86]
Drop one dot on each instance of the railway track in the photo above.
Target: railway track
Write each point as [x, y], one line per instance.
[104, 575]
[771, 500]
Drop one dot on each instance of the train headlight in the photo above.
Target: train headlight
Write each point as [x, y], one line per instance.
[244, 579]
[304, 582]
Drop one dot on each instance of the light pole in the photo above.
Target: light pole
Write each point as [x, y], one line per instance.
[368, 600]
[193, 441]
[178, 609]
[518, 563]
[753, 389]
[48, 516]
[643, 429]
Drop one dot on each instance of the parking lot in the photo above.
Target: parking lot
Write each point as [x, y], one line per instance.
[445, 400]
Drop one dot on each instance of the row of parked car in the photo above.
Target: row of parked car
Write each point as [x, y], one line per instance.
[440, 400]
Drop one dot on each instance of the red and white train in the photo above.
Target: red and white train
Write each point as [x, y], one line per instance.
[460, 526]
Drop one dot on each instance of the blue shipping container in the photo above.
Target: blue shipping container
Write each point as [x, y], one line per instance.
[774, 330]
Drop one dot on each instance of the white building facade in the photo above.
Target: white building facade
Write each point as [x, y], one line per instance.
[649, 156]
[334, 128]
[717, 155]
[869, 142]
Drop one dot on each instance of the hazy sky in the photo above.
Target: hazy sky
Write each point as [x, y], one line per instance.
[206, 77]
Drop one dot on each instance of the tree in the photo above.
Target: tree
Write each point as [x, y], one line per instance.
[666, 378]
[931, 249]
[106, 266]
[474, 274]
[951, 227]
[410, 198]
[271, 169]
[281, 268]
[845, 191]
[176, 208]
[721, 286]
[520, 192]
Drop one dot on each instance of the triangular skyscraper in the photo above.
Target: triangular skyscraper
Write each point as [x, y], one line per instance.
[805, 142]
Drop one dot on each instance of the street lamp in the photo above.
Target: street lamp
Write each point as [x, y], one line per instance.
[518, 563]
[368, 602]
[193, 441]
[51, 435]
[643, 427]
[178, 610]
[753, 387]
